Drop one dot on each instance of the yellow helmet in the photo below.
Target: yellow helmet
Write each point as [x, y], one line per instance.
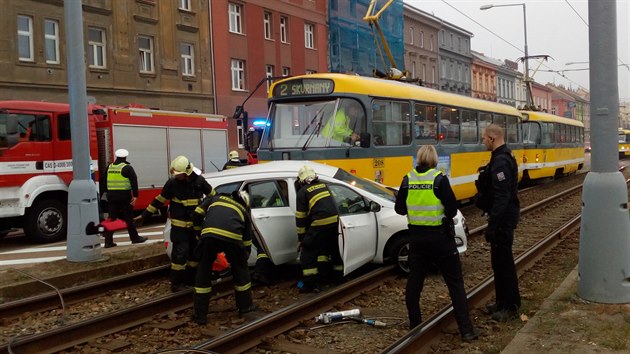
[181, 165]
[233, 155]
[306, 174]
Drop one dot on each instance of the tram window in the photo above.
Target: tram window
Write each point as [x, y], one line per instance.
[391, 123]
[548, 133]
[511, 129]
[531, 133]
[425, 126]
[556, 133]
[499, 119]
[469, 127]
[449, 125]
[485, 119]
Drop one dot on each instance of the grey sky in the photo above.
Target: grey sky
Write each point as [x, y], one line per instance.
[554, 27]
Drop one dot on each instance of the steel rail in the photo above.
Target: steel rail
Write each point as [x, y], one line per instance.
[80, 332]
[50, 300]
[278, 322]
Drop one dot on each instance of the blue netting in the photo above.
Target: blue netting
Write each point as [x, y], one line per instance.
[352, 45]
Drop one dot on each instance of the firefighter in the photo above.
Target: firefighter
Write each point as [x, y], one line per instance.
[316, 218]
[185, 190]
[226, 228]
[233, 161]
[122, 192]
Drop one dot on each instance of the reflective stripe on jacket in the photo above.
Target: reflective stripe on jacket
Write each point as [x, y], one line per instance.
[423, 207]
[115, 180]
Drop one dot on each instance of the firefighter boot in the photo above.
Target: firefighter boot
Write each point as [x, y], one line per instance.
[178, 278]
[109, 239]
[244, 302]
[200, 308]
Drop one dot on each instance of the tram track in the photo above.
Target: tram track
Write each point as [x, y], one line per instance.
[278, 321]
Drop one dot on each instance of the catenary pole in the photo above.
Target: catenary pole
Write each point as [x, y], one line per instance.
[604, 263]
[82, 196]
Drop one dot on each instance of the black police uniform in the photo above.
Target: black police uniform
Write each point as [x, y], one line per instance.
[233, 164]
[317, 219]
[184, 195]
[118, 205]
[497, 184]
[434, 245]
[226, 228]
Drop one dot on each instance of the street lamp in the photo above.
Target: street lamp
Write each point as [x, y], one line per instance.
[527, 83]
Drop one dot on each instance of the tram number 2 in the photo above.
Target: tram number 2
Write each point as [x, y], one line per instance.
[378, 163]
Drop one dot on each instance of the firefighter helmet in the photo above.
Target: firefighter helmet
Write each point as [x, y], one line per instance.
[233, 155]
[180, 165]
[306, 174]
[122, 153]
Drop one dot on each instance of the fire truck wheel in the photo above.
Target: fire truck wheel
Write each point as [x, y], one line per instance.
[46, 221]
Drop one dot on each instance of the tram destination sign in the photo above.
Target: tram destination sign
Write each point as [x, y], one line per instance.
[301, 87]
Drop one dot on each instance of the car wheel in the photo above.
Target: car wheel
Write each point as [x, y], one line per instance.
[400, 254]
[46, 221]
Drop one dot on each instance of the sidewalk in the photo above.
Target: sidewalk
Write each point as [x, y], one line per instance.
[568, 324]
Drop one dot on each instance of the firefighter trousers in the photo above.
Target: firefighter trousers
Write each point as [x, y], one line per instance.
[183, 261]
[237, 256]
[319, 247]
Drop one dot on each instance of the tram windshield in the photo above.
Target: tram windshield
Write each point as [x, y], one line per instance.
[316, 124]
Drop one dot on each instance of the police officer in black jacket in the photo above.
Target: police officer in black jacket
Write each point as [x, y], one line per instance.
[497, 196]
[426, 197]
[226, 228]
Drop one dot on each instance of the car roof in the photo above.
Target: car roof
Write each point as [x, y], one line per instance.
[274, 167]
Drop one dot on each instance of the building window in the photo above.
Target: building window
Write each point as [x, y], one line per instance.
[269, 73]
[188, 59]
[238, 75]
[25, 38]
[51, 35]
[184, 5]
[96, 48]
[421, 39]
[286, 71]
[431, 43]
[283, 29]
[145, 47]
[309, 35]
[424, 72]
[267, 25]
[411, 35]
[239, 133]
[235, 11]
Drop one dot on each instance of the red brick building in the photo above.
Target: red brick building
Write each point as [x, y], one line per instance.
[254, 39]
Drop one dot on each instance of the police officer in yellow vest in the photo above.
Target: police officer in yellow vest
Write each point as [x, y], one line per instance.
[122, 192]
[426, 197]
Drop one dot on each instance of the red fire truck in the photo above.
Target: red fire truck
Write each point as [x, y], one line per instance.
[36, 156]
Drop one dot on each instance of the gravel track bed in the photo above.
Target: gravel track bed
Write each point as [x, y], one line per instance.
[386, 302]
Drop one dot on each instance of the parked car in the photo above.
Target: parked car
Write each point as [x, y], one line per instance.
[369, 228]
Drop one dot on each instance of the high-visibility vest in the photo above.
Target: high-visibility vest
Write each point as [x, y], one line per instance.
[423, 207]
[115, 180]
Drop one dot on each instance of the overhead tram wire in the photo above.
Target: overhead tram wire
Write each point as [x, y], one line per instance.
[557, 72]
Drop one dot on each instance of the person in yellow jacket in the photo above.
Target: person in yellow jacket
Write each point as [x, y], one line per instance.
[338, 127]
[426, 197]
[122, 192]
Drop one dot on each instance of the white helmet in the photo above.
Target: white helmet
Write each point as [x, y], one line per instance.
[306, 174]
[181, 165]
[121, 153]
[233, 155]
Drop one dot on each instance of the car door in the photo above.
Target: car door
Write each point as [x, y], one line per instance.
[274, 219]
[358, 229]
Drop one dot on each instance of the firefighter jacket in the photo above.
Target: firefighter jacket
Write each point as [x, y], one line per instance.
[222, 217]
[441, 189]
[233, 164]
[121, 181]
[184, 196]
[315, 207]
[423, 206]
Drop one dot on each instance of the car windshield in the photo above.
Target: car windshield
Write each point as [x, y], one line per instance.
[366, 185]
